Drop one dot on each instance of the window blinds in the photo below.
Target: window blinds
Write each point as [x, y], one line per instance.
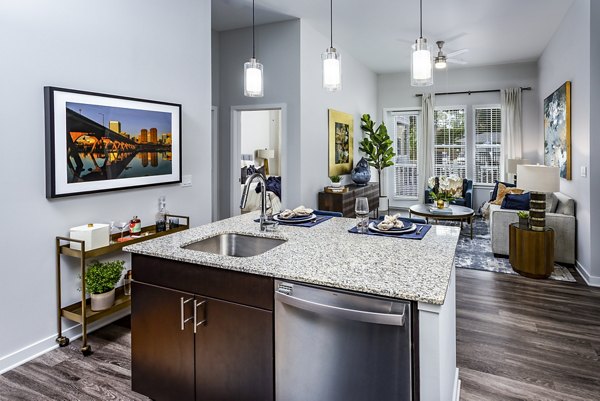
[450, 145]
[487, 144]
[405, 162]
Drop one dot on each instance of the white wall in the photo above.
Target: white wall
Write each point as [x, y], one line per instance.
[358, 96]
[278, 49]
[255, 131]
[145, 53]
[215, 67]
[395, 91]
[567, 58]
[594, 170]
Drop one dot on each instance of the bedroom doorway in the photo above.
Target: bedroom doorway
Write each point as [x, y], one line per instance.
[257, 144]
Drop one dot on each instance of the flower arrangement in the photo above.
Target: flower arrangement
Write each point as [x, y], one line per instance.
[445, 188]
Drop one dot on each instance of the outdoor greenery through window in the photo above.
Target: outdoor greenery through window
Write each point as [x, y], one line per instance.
[487, 144]
[405, 162]
[450, 145]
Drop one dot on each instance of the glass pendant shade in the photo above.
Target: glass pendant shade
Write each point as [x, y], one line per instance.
[253, 78]
[421, 66]
[332, 70]
[440, 63]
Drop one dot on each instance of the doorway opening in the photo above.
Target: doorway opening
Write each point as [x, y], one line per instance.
[257, 147]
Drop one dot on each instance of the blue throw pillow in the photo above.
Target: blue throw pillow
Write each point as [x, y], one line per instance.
[495, 191]
[516, 201]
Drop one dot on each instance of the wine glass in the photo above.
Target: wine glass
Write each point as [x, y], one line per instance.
[361, 209]
[121, 225]
[111, 228]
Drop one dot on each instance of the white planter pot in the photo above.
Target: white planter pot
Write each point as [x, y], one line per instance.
[103, 301]
[384, 204]
[336, 184]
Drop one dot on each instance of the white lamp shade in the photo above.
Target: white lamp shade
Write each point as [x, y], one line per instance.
[511, 165]
[421, 66]
[537, 178]
[265, 153]
[253, 78]
[332, 70]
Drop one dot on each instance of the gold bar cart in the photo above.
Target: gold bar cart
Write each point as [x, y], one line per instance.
[81, 312]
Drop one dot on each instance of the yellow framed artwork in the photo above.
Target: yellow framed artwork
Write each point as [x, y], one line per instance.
[341, 142]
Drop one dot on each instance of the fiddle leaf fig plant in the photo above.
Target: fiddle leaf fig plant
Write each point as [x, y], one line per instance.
[376, 145]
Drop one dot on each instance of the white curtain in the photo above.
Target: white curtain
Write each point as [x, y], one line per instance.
[425, 150]
[511, 126]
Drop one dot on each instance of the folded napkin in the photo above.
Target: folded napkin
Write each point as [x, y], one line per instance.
[300, 211]
[390, 222]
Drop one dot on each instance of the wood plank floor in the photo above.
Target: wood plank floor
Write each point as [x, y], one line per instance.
[65, 374]
[517, 339]
[526, 339]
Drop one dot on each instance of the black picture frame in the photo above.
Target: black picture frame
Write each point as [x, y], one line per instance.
[97, 142]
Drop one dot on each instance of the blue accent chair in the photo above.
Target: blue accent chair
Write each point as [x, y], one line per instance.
[467, 195]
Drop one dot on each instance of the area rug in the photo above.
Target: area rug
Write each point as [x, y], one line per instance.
[477, 253]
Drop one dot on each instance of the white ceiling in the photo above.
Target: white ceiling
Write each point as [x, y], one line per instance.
[379, 32]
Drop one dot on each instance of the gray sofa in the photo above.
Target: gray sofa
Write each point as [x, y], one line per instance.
[560, 215]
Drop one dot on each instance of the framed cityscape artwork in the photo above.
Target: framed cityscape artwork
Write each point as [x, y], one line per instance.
[557, 130]
[341, 142]
[97, 142]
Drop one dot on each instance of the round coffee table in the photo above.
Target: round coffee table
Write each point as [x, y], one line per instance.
[459, 213]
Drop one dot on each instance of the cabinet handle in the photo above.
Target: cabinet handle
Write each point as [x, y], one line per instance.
[183, 319]
[196, 306]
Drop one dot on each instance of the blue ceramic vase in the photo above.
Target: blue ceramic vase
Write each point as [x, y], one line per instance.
[361, 174]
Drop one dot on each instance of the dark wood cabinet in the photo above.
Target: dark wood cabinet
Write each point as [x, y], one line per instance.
[344, 202]
[234, 353]
[162, 355]
[225, 349]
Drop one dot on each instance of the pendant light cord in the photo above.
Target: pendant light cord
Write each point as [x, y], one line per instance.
[253, 46]
[331, 22]
[421, 14]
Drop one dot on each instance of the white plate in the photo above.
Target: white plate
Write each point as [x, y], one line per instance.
[403, 230]
[295, 219]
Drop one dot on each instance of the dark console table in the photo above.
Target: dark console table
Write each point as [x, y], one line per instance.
[344, 202]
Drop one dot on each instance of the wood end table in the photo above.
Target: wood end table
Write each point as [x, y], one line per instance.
[531, 253]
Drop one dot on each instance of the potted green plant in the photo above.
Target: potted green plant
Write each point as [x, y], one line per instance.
[100, 281]
[377, 146]
[523, 219]
[335, 181]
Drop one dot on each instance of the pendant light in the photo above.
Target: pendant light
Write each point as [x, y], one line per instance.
[421, 66]
[253, 71]
[332, 61]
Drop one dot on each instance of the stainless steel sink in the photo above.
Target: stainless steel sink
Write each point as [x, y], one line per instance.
[232, 244]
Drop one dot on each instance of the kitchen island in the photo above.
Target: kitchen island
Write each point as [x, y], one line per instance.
[420, 271]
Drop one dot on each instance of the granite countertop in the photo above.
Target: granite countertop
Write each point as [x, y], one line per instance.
[327, 254]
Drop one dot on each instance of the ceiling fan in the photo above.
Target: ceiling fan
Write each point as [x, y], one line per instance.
[441, 59]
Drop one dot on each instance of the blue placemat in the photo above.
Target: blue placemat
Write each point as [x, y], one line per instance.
[311, 223]
[412, 235]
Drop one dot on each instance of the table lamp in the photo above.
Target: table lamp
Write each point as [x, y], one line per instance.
[511, 167]
[265, 154]
[538, 180]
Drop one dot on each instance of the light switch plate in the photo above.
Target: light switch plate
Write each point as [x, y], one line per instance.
[584, 171]
[186, 180]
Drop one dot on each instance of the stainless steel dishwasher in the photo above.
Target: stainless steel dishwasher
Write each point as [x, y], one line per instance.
[332, 345]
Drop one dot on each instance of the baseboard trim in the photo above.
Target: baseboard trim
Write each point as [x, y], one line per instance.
[456, 390]
[32, 351]
[592, 281]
